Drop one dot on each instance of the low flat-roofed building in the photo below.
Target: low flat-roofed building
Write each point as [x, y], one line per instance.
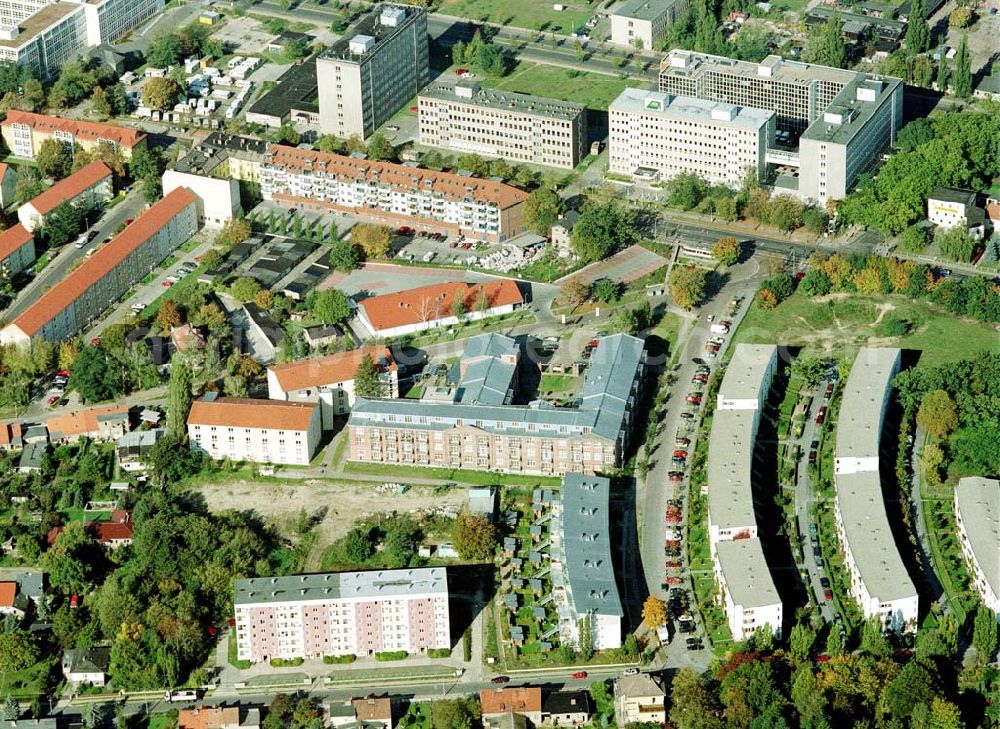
[517, 127]
[133, 448]
[329, 380]
[749, 596]
[977, 514]
[261, 431]
[644, 23]
[85, 189]
[17, 250]
[24, 132]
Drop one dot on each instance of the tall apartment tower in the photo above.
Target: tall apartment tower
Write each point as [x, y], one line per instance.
[367, 76]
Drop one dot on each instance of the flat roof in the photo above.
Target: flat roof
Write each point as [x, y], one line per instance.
[954, 195]
[859, 423]
[586, 545]
[692, 64]
[371, 26]
[508, 101]
[688, 108]
[746, 574]
[869, 536]
[853, 112]
[745, 374]
[977, 501]
[297, 89]
[342, 585]
[39, 22]
[644, 9]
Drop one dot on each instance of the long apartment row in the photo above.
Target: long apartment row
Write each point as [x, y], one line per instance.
[750, 598]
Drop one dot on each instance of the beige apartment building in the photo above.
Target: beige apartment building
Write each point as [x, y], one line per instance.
[644, 23]
[23, 133]
[655, 136]
[378, 66]
[85, 189]
[517, 127]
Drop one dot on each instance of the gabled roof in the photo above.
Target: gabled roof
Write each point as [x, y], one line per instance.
[82, 422]
[89, 131]
[238, 412]
[13, 238]
[69, 187]
[373, 708]
[10, 434]
[520, 699]
[8, 591]
[953, 194]
[640, 685]
[208, 717]
[429, 303]
[101, 263]
[329, 370]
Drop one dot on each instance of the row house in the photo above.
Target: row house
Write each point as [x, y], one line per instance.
[85, 189]
[23, 132]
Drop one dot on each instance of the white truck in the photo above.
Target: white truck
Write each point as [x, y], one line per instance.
[181, 695]
[720, 329]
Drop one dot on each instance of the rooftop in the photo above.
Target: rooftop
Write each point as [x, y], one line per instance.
[470, 92]
[88, 131]
[746, 574]
[518, 699]
[745, 373]
[296, 89]
[977, 502]
[328, 370]
[237, 412]
[93, 269]
[39, 22]
[687, 108]
[81, 422]
[852, 108]
[489, 365]
[342, 585]
[586, 545]
[692, 64]
[12, 239]
[953, 195]
[428, 303]
[644, 9]
[640, 685]
[70, 187]
[859, 424]
[378, 27]
[208, 717]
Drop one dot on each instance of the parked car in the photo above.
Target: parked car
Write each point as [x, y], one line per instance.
[676, 476]
[821, 415]
[828, 594]
[682, 442]
[680, 454]
[580, 674]
[500, 679]
[694, 399]
[687, 415]
[674, 580]
[824, 581]
[829, 391]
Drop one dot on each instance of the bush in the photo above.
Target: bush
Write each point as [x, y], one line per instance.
[894, 326]
[346, 658]
[285, 662]
[391, 655]
[467, 645]
[438, 653]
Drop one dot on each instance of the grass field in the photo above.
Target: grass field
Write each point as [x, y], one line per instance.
[534, 14]
[838, 326]
[594, 90]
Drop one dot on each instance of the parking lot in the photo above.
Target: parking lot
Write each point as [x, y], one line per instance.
[452, 250]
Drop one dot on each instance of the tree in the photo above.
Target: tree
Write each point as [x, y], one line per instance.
[806, 696]
[575, 291]
[914, 239]
[873, 640]
[458, 306]
[152, 188]
[654, 612]
[161, 93]
[918, 35]
[945, 715]
[63, 224]
[18, 650]
[94, 715]
[915, 684]
[687, 285]
[943, 75]
[955, 243]
[937, 414]
[172, 460]
[606, 290]
[685, 191]
[786, 212]
[922, 72]
[474, 536]
[601, 231]
[380, 148]
[693, 703]
[54, 158]
[932, 460]
[815, 283]
[94, 377]
[34, 94]
[11, 709]
[358, 545]
[249, 368]
[368, 379]
[330, 306]
[179, 398]
[960, 18]
[454, 713]
[99, 102]
[835, 642]
[168, 315]
[801, 640]
[400, 545]
[726, 250]
[165, 50]
[72, 562]
[29, 184]
[236, 230]
[373, 239]
[810, 369]
[585, 637]
[343, 255]
[265, 299]
[119, 101]
[632, 320]
[963, 69]
[542, 209]
[244, 289]
[984, 634]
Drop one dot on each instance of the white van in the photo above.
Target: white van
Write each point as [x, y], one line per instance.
[81, 241]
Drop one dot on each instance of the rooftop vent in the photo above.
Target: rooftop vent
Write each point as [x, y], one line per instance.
[361, 44]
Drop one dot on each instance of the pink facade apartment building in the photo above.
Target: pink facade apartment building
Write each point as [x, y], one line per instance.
[345, 613]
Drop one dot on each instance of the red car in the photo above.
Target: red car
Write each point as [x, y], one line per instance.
[674, 543]
[821, 415]
[680, 454]
[580, 674]
[460, 71]
[53, 400]
[405, 231]
[167, 284]
[500, 679]
[128, 221]
[74, 602]
[828, 594]
[694, 399]
[673, 563]
[96, 341]
[674, 580]
[822, 658]
[62, 373]
[674, 518]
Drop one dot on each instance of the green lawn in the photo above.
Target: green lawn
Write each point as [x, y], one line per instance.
[839, 326]
[594, 90]
[485, 478]
[557, 383]
[534, 14]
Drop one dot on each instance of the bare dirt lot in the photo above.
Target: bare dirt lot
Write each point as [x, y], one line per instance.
[281, 502]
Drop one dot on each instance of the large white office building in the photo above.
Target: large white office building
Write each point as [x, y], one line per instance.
[749, 596]
[339, 614]
[368, 75]
[655, 136]
[517, 127]
[838, 122]
[879, 580]
[977, 514]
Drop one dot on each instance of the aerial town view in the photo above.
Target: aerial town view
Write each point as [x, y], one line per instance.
[499, 364]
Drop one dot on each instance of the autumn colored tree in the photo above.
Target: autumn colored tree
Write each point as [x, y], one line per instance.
[575, 291]
[687, 285]
[766, 299]
[168, 315]
[474, 536]
[726, 251]
[249, 368]
[373, 239]
[654, 612]
[161, 93]
[938, 414]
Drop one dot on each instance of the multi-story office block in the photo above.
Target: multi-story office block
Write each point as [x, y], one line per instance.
[879, 580]
[842, 121]
[516, 127]
[393, 194]
[644, 23]
[446, 430]
[23, 133]
[17, 250]
[329, 381]
[367, 76]
[655, 136]
[346, 613]
[583, 575]
[85, 189]
[101, 280]
[749, 596]
[977, 514]
[261, 431]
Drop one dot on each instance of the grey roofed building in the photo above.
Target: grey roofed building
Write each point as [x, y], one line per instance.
[487, 370]
[31, 456]
[95, 659]
[852, 109]
[644, 9]
[977, 505]
[31, 584]
[607, 388]
[296, 91]
[862, 406]
[473, 94]
[322, 334]
[954, 195]
[746, 574]
[690, 108]
[640, 685]
[484, 501]
[745, 377]
[581, 555]
[333, 585]
[510, 720]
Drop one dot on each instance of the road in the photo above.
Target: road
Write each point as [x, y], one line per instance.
[70, 256]
[657, 489]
